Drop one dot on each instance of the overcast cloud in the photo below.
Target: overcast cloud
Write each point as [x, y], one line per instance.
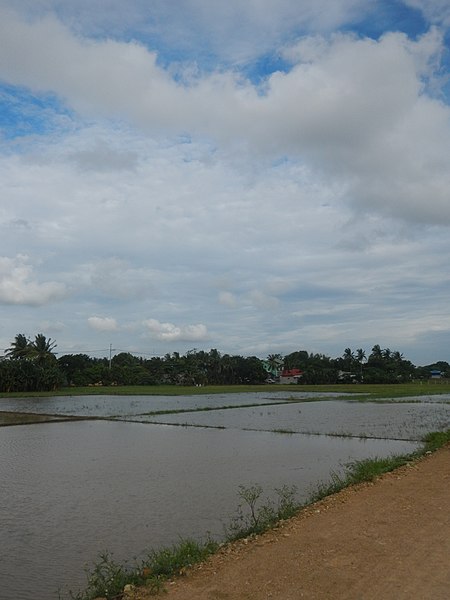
[255, 178]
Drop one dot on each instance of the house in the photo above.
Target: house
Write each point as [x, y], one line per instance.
[435, 374]
[290, 375]
[346, 377]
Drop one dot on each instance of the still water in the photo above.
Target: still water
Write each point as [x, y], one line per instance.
[394, 420]
[106, 406]
[72, 490]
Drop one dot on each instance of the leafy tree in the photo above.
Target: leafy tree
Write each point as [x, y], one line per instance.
[77, 369]
[296, 360]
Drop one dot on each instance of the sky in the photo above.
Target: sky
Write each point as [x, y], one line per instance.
[258, 177]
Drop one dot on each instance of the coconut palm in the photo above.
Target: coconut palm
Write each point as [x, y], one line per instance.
[348, 357]
[20, 348]
[360, 357]
[275, 363]
[42, 349]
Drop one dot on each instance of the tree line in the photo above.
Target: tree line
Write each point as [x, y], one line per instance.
[32, 365]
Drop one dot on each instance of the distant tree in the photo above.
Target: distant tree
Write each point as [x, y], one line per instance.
[42, 349]
[296, 360]
[20, 348]
[360, 357]
[274, 364]
[349, 359]
[75, 368]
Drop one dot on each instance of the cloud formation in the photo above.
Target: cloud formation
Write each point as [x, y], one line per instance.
[17, 285]
[257, 177]
[353, 109]
[102, 323]
[169, 332]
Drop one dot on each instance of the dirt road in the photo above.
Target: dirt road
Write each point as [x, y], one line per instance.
[388, 540]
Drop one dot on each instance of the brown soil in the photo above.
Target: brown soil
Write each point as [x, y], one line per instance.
[386, 540]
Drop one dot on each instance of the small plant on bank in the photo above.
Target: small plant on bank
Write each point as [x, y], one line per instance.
[170, 561]
[107, 579]
[256, 514]
[435, 440]
[358, 472]
[367, 470]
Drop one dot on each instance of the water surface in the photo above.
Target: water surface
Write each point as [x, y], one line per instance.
[395, 420]
[72, 490]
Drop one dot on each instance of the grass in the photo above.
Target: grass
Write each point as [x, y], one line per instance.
[370, 469]
[107, 578]
[13, 418]
[254, 517]
[375, 390]
[255, 514]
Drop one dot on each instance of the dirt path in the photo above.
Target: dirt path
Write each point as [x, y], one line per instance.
[388, 540]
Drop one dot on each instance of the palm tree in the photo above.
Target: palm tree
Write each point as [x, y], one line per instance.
[348, 357]
[397, 356]
[377, 353]
[275, 363]
[20, 348]
[386, 353]
[42, 349]
[360, 357]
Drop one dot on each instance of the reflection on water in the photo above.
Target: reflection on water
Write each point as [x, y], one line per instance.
[72, 490]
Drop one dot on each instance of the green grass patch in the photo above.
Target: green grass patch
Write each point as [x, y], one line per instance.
[376, 390]
[14, 418]
[370, 469]
[256, 514]
[107, 578]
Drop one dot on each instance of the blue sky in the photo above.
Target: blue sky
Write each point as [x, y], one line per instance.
[255, 177]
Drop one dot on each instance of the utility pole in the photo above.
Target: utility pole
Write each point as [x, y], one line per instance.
[110, 355]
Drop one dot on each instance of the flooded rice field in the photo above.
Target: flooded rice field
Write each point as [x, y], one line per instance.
[72, 490]
[106, 406]
[396, 420]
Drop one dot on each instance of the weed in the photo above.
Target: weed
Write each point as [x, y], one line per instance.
[436, 440]
[169, 561]
[255, 515]
[107, 578]
[369, 469]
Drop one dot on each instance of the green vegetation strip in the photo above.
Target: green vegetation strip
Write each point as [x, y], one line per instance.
[375, 390]
[108, 579]
[14, 418]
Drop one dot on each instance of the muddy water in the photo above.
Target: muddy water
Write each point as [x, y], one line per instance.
[72, 490]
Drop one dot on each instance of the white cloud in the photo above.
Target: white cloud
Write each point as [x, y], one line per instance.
[228, 299]
[262, 300]
[102, 323]
[436, 11]
[51, 326]
[18, 285]
[354, 110]
[169, 332]
[230, 30]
